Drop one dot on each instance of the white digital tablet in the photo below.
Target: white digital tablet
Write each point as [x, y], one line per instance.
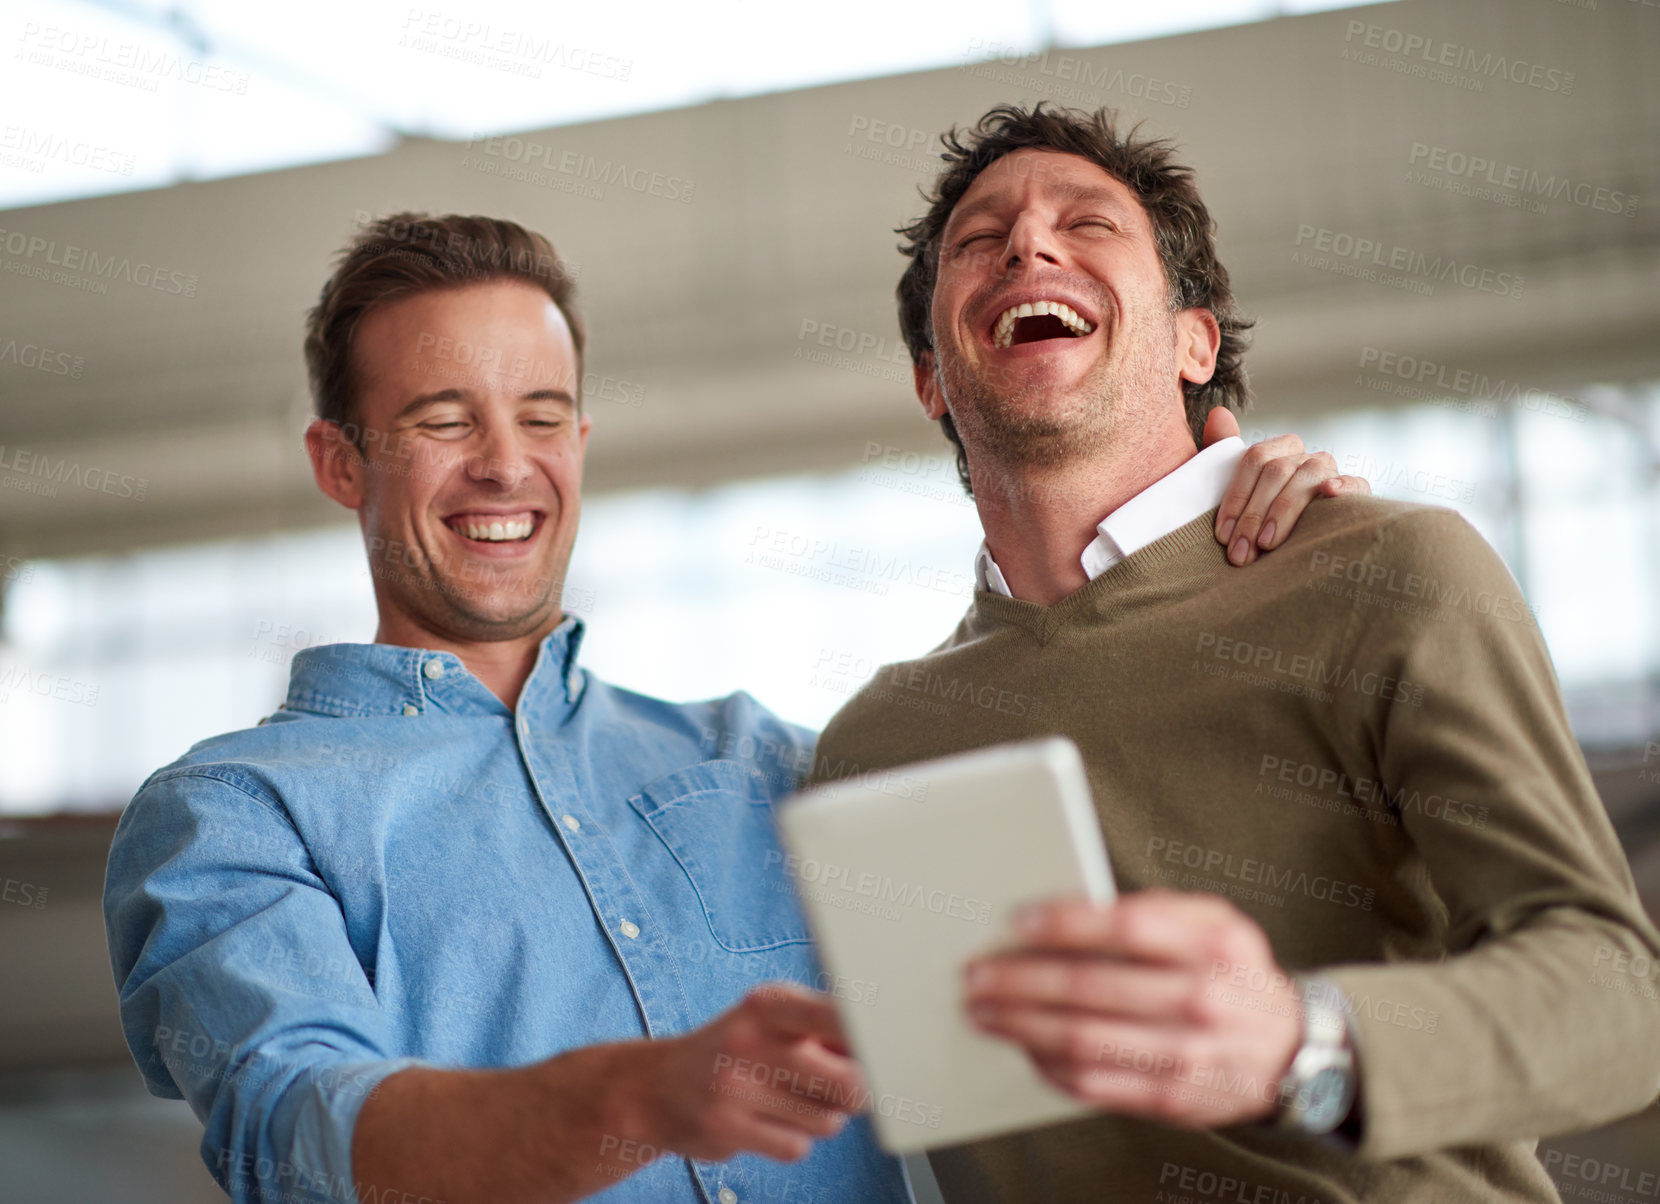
[906, 875]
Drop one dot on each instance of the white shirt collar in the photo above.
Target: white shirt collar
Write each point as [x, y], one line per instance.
[1172, 501]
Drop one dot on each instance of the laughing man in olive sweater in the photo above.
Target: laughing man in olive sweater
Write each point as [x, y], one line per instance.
[1376, 896]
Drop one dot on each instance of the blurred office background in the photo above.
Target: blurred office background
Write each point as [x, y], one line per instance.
[1455, 265]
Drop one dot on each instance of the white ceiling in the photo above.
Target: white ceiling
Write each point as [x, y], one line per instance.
[203, 89]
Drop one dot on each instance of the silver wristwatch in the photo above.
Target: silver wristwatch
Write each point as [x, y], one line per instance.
[1319, 1088]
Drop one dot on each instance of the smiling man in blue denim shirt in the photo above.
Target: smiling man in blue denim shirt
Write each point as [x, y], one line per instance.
[460, 921]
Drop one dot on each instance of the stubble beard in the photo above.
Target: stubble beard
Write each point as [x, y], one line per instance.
[466, 600]
[1020, 428]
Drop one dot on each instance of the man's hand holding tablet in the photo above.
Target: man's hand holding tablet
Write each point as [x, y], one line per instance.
[904, 889]
[1135, 1006]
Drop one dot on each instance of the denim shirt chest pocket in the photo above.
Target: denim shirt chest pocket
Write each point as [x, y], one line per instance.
[716, 820]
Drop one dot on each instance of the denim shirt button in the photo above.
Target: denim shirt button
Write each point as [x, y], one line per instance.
[727, 1196]
[630, 929]
[571, 822]
[434, 669]
[409, 708]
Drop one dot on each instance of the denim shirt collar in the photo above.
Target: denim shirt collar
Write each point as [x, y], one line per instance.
[357, 680]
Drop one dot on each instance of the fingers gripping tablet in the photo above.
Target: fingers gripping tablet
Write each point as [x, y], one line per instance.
[902, 892]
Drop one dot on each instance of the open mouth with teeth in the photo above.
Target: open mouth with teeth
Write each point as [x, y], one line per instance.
[495, 528]
[1035, 321]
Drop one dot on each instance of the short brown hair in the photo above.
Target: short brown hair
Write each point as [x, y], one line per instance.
[1183, 233]
[408, 253]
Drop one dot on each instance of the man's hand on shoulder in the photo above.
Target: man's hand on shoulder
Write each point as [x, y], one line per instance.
[1275, 483]
[1166, 1005]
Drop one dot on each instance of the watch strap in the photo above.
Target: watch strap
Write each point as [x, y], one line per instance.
[1325, 1051]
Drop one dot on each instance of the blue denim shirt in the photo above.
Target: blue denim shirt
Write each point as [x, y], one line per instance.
[395, 870]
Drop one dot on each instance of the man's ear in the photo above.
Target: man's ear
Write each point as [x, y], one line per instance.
[1198, 338]
[335, 462]
[928, 386]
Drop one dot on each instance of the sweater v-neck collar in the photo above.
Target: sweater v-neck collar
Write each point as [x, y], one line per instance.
[1188, 552]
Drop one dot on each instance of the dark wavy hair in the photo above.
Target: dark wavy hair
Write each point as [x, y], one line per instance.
[1183, 232]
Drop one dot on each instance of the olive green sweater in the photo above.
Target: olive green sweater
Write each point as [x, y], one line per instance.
[1359, 740]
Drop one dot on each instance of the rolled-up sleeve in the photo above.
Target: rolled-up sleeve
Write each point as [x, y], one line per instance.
[239, 989]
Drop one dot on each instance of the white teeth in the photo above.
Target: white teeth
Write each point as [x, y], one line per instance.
[1003, 333]
[497, 530]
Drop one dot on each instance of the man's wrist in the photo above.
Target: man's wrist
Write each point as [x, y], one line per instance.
[1318, 1091]
[636, 1100]
[618, 1113]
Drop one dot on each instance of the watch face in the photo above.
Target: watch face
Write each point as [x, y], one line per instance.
[1324, 1100]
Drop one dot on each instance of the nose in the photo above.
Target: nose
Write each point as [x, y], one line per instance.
[501, 458]
[1031, 241]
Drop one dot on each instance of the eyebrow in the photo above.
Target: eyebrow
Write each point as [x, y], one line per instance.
[427, 399]
[1092, 194]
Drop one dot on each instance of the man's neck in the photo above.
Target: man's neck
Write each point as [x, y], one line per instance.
[502, 665]
[1038, 521]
